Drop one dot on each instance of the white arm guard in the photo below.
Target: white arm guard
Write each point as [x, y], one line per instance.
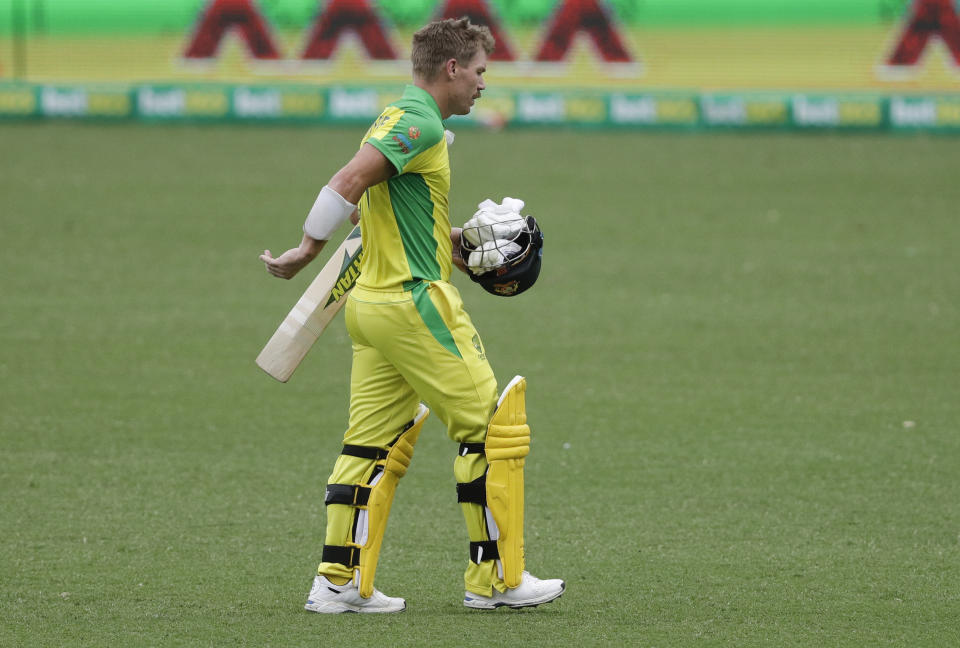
[328, 212]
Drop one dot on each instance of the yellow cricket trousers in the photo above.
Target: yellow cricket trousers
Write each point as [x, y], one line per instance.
[411, 346]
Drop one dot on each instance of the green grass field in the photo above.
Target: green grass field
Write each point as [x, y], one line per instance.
[744, 366]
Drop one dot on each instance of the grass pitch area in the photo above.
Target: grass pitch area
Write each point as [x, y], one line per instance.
[743, 363]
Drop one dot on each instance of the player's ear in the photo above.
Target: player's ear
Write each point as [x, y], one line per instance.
[450, 67]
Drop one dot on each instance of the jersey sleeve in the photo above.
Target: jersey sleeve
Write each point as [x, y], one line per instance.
[403, 134]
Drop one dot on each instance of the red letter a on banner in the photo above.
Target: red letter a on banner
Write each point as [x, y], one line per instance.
[341, 15]
[479, 14]
[223, 15]
[582, 15]
[929, 18]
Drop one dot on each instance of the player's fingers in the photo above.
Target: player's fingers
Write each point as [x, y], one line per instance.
[272, 267]
[277, 270]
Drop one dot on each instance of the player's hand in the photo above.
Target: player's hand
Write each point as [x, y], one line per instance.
[288, 264]
[458, 262]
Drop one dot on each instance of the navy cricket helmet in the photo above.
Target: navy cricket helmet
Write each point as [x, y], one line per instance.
[520, 269]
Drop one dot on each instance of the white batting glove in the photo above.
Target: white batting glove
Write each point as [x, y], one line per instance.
[492, 222]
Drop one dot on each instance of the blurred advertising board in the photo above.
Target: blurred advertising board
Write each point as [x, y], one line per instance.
[583, 109]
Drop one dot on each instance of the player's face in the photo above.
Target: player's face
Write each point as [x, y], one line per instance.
[468, 83]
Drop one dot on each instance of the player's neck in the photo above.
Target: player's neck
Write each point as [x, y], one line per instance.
[438, 91]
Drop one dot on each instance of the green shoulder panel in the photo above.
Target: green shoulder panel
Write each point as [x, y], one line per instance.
[406, 132]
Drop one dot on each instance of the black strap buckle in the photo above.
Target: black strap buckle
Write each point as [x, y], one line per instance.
[351, 494]
[372, 452]
[347, 556]
[484, 550]
[474, 492]
[471, 448]
[364, 452]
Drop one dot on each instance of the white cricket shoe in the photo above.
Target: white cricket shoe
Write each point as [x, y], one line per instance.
[327, 598]
[531, 592]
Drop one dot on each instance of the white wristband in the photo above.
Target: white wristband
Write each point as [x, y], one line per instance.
[328, 212]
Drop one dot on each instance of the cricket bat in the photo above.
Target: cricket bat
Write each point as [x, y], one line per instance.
[322, 300]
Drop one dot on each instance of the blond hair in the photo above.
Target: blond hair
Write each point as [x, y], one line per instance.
[442, 40]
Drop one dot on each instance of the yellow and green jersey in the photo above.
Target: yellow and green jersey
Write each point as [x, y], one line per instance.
[405, 221]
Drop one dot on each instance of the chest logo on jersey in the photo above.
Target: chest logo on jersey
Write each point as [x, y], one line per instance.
[478, 346]
[414, 132]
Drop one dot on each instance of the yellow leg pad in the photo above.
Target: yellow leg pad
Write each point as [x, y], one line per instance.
[506, 446]
[381, 497]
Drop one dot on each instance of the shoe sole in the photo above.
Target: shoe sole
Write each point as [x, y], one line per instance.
[482, 605]
[341, 608]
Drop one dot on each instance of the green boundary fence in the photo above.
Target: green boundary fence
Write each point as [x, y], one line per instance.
[51, 17]
[517, 108]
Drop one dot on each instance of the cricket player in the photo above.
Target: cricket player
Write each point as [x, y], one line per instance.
[414, 347]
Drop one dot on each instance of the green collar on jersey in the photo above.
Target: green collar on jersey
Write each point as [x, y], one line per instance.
[419, 94]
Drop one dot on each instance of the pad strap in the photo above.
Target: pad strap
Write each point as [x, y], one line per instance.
[365, 452]
[484, 550]
[474, 492]
[351, 494]
[471, 448]
[348, 556]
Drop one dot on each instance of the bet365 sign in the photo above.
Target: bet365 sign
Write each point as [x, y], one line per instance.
[360, 17]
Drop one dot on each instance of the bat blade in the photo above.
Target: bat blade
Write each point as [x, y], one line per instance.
[308, 318]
